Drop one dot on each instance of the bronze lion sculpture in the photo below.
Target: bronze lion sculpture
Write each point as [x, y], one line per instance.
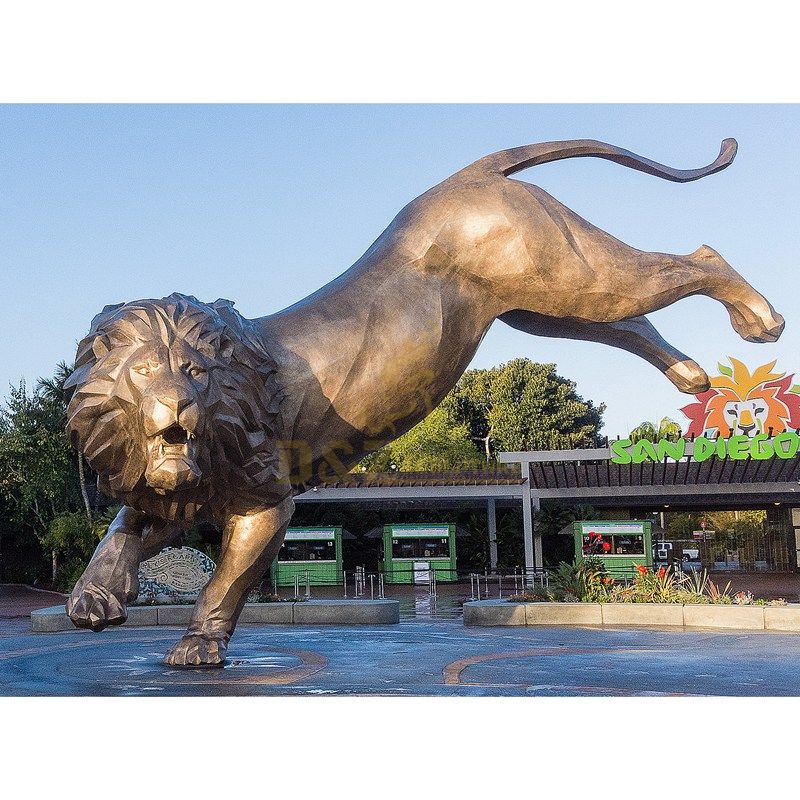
[188, 411]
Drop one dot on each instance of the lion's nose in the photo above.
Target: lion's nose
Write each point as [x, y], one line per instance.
[158, 414]
[189, 416]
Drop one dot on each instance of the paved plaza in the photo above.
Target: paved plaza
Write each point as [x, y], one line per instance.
[426, 654]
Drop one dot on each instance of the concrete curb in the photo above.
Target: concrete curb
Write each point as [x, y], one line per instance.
[644, 615]
[308, 612]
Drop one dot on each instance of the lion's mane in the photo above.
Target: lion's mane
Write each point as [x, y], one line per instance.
[239, 456]
[774, 389]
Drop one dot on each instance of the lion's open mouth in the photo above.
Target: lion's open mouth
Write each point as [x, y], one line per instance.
[174, 437]
[171, 463]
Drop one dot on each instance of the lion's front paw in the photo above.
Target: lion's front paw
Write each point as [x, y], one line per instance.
[95, 607]
[196, 650]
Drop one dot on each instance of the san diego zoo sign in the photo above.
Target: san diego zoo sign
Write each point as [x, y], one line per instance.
[743, 415]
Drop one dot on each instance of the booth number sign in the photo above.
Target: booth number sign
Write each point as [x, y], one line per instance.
[738, 448]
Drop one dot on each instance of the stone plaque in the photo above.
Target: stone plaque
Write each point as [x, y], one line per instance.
[176, 573]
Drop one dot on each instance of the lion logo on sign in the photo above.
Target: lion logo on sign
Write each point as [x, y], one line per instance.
[744, 403]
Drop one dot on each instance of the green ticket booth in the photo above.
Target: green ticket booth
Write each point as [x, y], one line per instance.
[410, 552]
[620, 545]
[317, 551]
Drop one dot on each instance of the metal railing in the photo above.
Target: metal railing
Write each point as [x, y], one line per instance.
[485, 585]
[361, 584]
[356, 584]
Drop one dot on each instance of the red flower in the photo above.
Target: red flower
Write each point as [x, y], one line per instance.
[641, 569]
[662, 573]
[606, 546]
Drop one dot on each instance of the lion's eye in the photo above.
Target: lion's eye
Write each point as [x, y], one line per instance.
[195, 371]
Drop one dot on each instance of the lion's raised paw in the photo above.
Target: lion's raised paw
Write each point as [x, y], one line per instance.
[95, 607]
[195, 650]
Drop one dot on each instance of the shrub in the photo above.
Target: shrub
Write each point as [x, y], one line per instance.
[589, 582]
[565, 582]
[653, 587]
[71, 538]
[533, 594]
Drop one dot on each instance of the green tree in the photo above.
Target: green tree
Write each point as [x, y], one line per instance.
[434, 444]
[520, 405]
[35, 459]
[681, 525]
[523, 405]
[38, 469]
[52, 392]
[470, 404]
[71, 539]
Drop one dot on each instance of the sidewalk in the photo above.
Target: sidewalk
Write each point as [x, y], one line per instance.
[17, 601]
[769, 585]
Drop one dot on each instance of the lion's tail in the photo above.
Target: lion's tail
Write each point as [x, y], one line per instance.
[507, 162]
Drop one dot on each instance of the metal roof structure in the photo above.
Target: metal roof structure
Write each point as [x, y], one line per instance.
[580, 476]
[500, 483]
[590, 475]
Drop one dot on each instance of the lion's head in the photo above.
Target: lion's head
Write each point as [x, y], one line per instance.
[745, 403]
[174, 403]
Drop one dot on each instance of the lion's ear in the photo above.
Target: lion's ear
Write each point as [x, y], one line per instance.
[103, 316]
[100, 346]
[226, 345]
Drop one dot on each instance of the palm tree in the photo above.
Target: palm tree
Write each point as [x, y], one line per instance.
[666, 429]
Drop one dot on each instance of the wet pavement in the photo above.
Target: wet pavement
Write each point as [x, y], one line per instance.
[17, 601]
[431, 656]
[429, 653]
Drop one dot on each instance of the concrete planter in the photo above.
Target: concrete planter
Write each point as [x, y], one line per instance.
[308, 612]
[167, 615]
[563, 614]
[347, 612]
[782, 618]
[494, 612]
[740, 617]
[268, 613]
[643, 615]
[54, 619]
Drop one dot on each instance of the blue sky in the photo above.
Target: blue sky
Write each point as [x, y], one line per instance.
[264, 204]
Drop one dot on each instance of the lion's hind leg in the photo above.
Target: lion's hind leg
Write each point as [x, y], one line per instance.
[636, 335]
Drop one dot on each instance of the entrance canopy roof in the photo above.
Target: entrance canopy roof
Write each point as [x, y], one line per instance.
[590, 476]
[489, 484]
[583, 476]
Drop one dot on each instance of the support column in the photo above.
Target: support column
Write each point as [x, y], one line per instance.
[492, 519]
[537, 537]
[527, 519]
